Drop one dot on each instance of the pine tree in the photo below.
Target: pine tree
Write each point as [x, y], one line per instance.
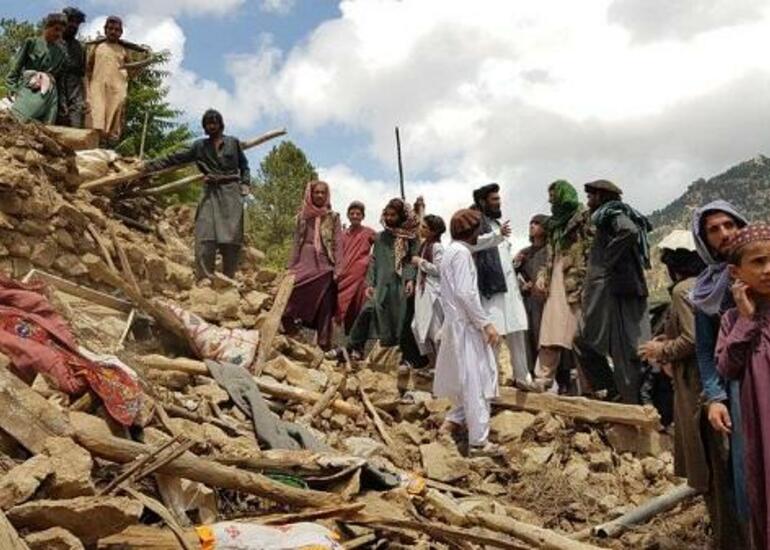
[280, 183]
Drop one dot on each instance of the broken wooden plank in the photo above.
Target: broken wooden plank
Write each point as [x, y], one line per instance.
[164, 514]
[144, 537]
[269, 387]
[440, 531]
[536, 537]
[580, 408]
[9, 538]
[378, 423]
[312, 515]
[27, 416]
[270, 326]
[80, 291]
[93, 434]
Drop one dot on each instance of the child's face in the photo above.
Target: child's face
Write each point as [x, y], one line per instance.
[355, 216]
[754, 269]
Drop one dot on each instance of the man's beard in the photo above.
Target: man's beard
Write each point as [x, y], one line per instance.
[492, 212]
[69, 35]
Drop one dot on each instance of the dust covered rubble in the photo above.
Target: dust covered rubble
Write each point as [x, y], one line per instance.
[558, 474]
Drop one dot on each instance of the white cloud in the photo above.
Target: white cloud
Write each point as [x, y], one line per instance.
[280, 7]
[149, 8]
[514, 91]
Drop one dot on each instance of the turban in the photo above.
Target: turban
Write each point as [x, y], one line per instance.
[465, 223]
[74, 14]
[484, 191]
[750, 234]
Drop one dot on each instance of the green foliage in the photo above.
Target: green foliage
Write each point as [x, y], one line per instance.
[279, 188]
[147, 98]
[12, 34]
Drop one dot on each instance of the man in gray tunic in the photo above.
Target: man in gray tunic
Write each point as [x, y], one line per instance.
[219, 219]
[71, 84]
[615, 315]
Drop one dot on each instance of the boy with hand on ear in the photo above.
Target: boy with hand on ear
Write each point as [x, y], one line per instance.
[743, 353]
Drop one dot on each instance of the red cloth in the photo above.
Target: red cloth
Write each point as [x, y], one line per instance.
[38, 340]
[351, 281]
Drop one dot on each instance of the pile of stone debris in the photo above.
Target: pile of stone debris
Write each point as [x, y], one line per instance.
[370, 468]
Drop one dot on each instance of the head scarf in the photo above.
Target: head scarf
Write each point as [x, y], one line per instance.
[712, 284]
[310, 211]
[404, 232]
[465, 223]
[750, 234]
[565, 204]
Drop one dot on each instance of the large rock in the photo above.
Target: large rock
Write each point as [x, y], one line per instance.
[214, 305]
[443, 463]
[509, 425]
[54, 538]
[254, 301]
[72, 468]
[21, 482]
[536, 458]
[88, 518]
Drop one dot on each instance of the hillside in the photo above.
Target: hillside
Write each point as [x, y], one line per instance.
[746, 185]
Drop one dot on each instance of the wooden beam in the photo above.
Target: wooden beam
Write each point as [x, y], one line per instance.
[26, 415]
[269, 328]
[112, 180]
[93, 434]
[536, 537]
[144, 537]
[274, 389]
[79, 290]
[580, 408]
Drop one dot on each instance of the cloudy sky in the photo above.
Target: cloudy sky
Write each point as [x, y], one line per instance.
[651, 94]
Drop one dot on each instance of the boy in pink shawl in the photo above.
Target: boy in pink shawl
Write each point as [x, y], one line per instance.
[743, 353]
[356, 249]
[315, 261]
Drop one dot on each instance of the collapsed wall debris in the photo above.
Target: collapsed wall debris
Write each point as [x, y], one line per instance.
[370, 467]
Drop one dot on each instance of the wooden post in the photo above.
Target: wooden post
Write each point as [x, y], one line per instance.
[93, 434]
[400, 165]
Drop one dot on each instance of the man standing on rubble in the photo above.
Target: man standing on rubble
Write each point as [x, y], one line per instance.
[466, 370]
[615, 316]
[72, 93]
[108, 79]
[498, 284]
[714, 226]
[219, 218]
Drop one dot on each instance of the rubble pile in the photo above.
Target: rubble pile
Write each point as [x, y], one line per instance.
[375, 470]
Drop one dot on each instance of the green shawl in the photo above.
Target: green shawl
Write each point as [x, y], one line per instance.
[565, 204]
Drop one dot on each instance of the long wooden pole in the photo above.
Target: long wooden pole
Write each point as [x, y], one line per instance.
[400, 165]
[125, 177]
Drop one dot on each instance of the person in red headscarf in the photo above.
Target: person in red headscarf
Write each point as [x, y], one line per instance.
[357, 242]
[315, 263]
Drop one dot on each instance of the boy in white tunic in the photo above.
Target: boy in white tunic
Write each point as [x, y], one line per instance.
[466, 371]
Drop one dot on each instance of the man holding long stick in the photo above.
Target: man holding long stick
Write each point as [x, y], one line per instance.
[219, 219]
